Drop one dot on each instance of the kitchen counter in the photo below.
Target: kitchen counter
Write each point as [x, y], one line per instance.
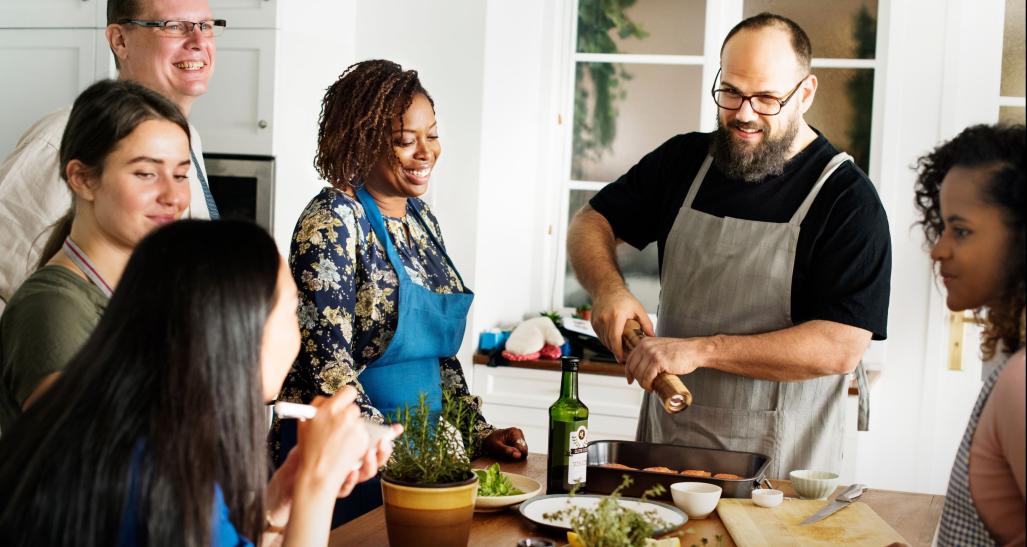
[607, 368]
[914, 516]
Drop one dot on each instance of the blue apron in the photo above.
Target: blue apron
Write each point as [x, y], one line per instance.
[429, 326]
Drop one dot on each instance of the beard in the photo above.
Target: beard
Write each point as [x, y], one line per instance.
[752, 163]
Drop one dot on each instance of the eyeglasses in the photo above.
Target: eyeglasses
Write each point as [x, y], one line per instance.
[766, 105]
[210, 27]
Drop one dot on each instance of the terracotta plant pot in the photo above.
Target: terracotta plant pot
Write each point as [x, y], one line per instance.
[416, 512]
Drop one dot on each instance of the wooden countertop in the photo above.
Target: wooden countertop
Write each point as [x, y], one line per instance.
[607, 368]
[914, 516]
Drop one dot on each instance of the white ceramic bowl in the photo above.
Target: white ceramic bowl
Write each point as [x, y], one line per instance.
[530, 487]
[813, 485]
[765, 497]
[696, 499]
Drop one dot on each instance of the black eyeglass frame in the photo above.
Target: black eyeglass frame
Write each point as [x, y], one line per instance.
[214, 23]
[749, 98]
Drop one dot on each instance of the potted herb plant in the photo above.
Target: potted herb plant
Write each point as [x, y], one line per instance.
[428, 486]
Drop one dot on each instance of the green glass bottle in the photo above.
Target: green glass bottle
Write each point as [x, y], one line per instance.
[568, 434]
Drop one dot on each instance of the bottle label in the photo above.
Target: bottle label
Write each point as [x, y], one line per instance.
[577, 460]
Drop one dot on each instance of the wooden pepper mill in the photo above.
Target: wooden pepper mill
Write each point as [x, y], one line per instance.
[671, 390]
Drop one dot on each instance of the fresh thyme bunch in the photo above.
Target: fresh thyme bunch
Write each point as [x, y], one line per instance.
[433, 449]
[609, 524]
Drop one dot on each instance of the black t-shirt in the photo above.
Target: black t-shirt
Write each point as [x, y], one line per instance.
[842, 267]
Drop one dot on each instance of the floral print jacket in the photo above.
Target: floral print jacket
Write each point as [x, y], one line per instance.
[348, 296]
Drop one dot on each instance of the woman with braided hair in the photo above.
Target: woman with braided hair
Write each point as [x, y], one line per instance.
[972, 197]
[382, 307]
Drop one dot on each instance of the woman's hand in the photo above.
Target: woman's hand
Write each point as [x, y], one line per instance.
[508, 444]
[376, 457]
[332, 442]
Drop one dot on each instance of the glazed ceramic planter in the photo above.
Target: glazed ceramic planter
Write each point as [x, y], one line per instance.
[442, 512]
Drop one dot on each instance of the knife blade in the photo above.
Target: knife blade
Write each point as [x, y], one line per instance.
[837, 504]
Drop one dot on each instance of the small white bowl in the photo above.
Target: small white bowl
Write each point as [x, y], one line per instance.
[813, 485]
[696, 499]
[765, 497]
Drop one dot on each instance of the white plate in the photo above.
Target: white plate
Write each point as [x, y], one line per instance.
[530, 487]
[534, 508]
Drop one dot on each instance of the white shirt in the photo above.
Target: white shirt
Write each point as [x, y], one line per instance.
[33, 196]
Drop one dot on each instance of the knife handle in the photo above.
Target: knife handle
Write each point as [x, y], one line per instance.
[672, 391]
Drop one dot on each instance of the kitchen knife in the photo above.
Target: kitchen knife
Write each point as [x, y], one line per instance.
[672, 391]
[840, 502]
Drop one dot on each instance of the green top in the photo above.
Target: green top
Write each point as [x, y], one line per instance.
[47, 320]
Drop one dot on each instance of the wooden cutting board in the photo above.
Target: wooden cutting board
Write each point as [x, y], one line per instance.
[753, 526]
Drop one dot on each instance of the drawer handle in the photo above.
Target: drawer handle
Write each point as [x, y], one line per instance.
[262, 124]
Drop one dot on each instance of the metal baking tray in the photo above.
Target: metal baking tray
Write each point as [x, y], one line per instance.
[751, 467]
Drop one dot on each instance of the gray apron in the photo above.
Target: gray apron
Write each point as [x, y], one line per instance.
[733, 276]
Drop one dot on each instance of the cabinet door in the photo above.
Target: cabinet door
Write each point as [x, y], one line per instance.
[48, 68]
[246, 13]
[53, 13]
[234, 117]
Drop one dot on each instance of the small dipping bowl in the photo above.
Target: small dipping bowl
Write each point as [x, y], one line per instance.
[765, 497]
[813, 485]
[696, 499]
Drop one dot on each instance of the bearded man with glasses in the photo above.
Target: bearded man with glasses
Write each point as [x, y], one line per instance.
[775, 263]
[165, 45]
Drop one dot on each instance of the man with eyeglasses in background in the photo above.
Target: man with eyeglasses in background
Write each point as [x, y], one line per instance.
[775, 262]
[165, 45]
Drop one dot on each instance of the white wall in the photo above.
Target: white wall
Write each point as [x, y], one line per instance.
[444, 42]
[314, 47]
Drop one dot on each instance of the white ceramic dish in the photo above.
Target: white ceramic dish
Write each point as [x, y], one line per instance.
[697, 499]
[765, 497]
[813, 485]
[488, 504]
[534, 508]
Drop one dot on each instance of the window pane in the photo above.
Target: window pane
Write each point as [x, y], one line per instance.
[640, 268]
[842, 110]
[1012, 114]
[843, 29]
[1013, 74]
[666, 27]
[622, 112]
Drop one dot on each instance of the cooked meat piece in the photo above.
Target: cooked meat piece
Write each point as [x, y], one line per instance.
[618, 466]
[660, 470]
[726, 476]
[696, 473]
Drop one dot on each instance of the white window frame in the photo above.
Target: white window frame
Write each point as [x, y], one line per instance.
[720, 17]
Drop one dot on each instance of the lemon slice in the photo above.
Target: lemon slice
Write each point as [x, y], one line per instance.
[574, 540]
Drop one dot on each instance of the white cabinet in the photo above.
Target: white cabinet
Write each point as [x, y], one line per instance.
[53, 13]
[246, 13]
[519, 397]
[46, 69]
[235, 115]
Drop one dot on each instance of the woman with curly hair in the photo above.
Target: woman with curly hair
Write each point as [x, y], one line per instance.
[382, 306]
[972, 197]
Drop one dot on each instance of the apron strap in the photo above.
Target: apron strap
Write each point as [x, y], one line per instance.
[374, 217]
[697, 182]
[419, 216]
[863, 385]
[82, 261]
[829, 170]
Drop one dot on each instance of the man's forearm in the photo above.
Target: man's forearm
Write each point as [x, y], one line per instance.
[805, 351]
[592, 251]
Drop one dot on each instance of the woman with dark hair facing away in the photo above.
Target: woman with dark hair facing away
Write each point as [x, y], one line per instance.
[154, 433]
[125, 157]
[382, 306]
[972, 197]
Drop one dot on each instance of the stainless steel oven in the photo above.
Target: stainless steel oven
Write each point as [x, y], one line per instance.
[243, 186]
